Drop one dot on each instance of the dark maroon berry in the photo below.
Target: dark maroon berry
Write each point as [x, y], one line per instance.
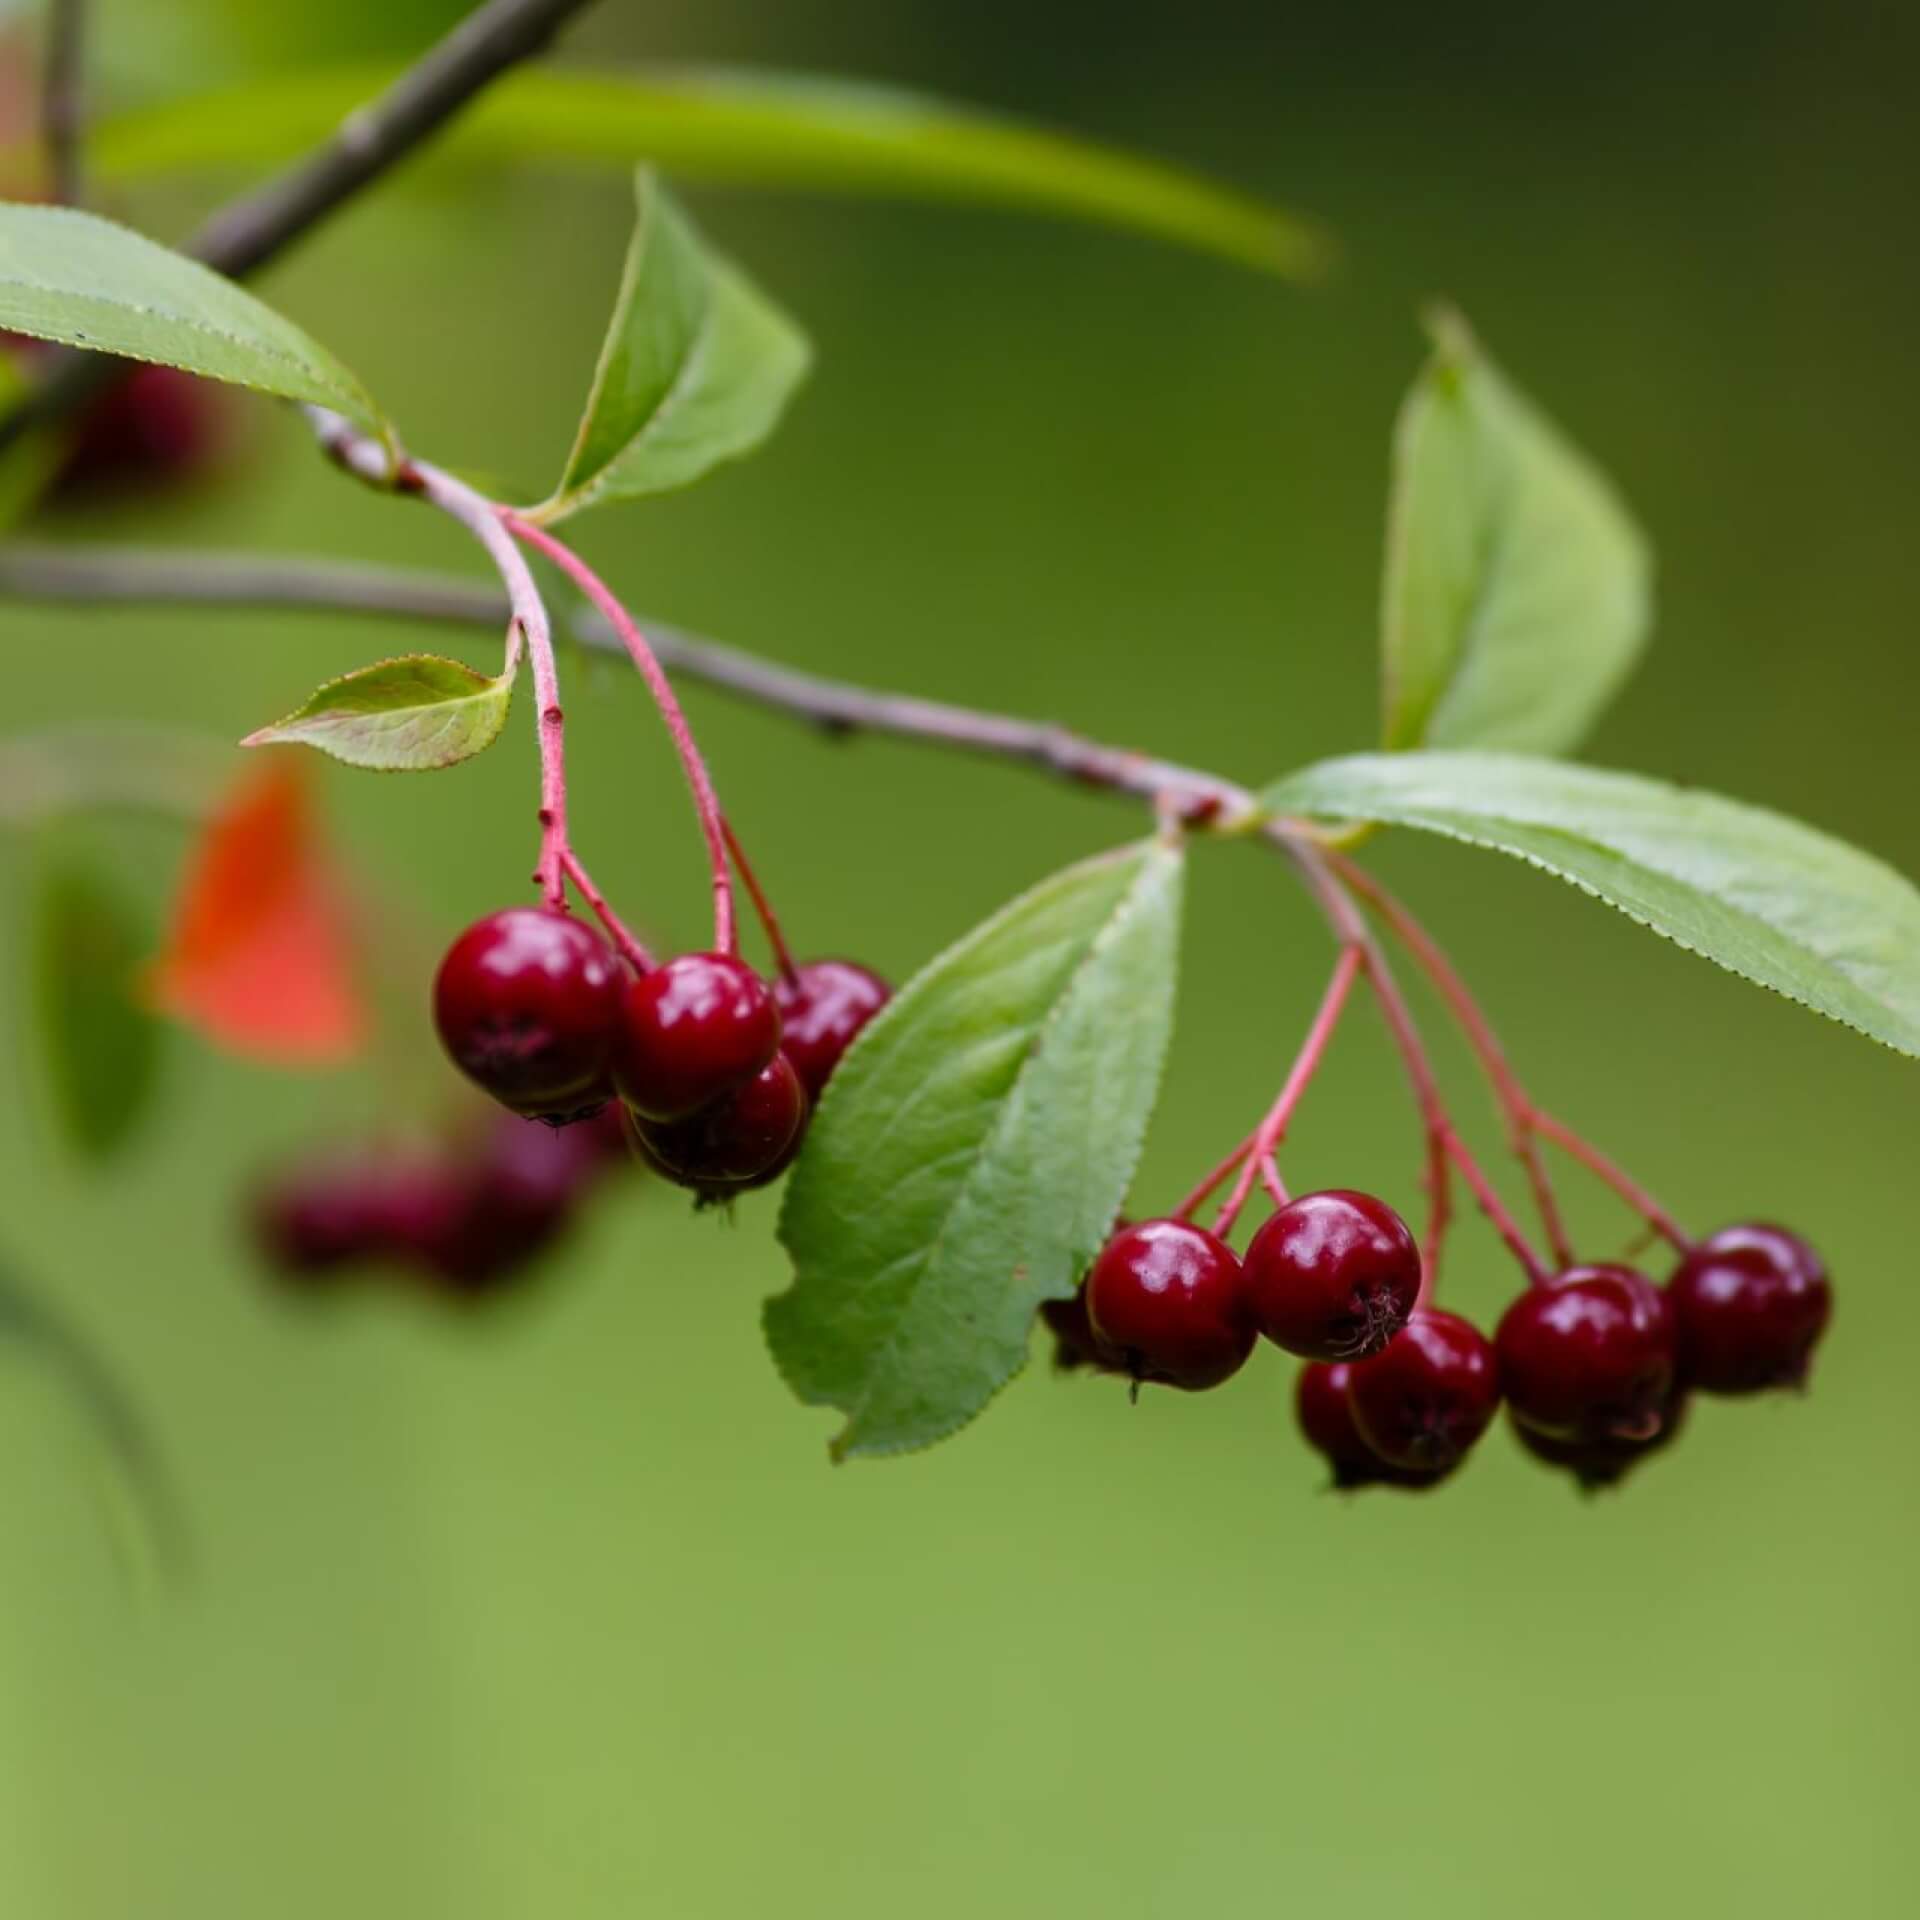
[1428, 1394]
[316, 1220]
[154, 428]
[509, 1200]
[1167, 1297]
[1325, 1415]
[822, 1008]
[1595, 1464]
[694, 1028]
[1750, 1303]
[527, 1003]
[1333, 1276]
[742, 1139]
[1589, 1356]
[1075, 1344]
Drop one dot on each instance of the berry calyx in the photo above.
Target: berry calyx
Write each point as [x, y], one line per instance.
[743, 1139]
[1750, 1304]
[823, 1006]
[693, 1029]
[1167, 1297]
[1333, 1276]
[527, 1002]
[1589, 1356]
[1428, 1394]
[1325, 1415]
[1597, 1464]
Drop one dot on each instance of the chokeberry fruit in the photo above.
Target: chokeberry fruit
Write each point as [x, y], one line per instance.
[695, 1028]
[741, 1140]
[1595, 1464]
[1325, 1414]
[1428, 1394]
[822, 1009]
[152, 428]
[1167, 1297]
[1750, 1303]
[1332, 1276]
[527, 1003]
[316, 1220]
[1075, 1344]
[1589, 1356]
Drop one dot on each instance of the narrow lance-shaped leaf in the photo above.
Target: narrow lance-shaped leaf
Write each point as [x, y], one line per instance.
[697, 367]
[1517, 593]
[76, 278]
[100, 1046]
[1761, 895]
[740, 126]
[397, 716]
[973, 1149]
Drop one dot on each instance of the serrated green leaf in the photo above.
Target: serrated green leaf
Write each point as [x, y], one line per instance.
[1518, 591]
[100, 1047]
[1759, 894]
[739, 126]
[398, 716]
[88, 282]
[697, 367]
[972, 1150]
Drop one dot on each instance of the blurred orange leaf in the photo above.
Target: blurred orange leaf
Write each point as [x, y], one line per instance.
[261, 955]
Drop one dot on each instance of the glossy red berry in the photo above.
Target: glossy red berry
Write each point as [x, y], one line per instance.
[527, 1003]
[1750, 1303]
[1595, 1464]
[1333, 1276]
[1589, 1356]
[1428, 1394]
[1167, 1297]
[822, 1008]
[1075, 1344]
[1325, 1414]
[743, 1139]
[696, 1027]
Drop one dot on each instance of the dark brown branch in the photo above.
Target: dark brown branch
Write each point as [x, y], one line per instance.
[129, 576]
[244, 236]
[63, 98]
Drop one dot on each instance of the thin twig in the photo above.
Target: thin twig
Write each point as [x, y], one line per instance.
[63, 102]
[244, 235]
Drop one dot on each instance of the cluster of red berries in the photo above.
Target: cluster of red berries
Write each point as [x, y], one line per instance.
[465, 1216]
[718, 1067]
[1595, 1364]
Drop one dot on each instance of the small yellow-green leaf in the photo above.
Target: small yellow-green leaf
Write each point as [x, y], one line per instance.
[697, 367]
[1517, 593]
[88, 282]
[399, 716]
[101, 1048]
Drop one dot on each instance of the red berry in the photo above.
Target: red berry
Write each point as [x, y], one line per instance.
[1428, 1394]
[693, 1029]
[154, 427]
[527, 1003]
[1589, 1356]
[1595, 1464]
[1075, 1344]
[1325, 1415]
[1167, 1297]
[1333, 1276]
[315, 1220]
[821, 1010]
[1750, 1303]
[743, 1139]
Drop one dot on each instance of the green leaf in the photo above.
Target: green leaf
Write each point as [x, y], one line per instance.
[1518, 592]
[697, 367]
[77, 278]
[742, 127]
[973, 1149]
[1761, 895]
[398, 716]
[101, 1048]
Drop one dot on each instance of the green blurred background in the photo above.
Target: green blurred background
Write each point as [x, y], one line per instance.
[559, 1610]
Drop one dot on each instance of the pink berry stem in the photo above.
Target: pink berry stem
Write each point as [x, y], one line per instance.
[706, 802]
[762, 906]
[1516, 1106]
[1200, 1194]
[631, 948]
[1313, 1049]
[1577, 1147]
[1527, 1122]
[1270, 1179]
